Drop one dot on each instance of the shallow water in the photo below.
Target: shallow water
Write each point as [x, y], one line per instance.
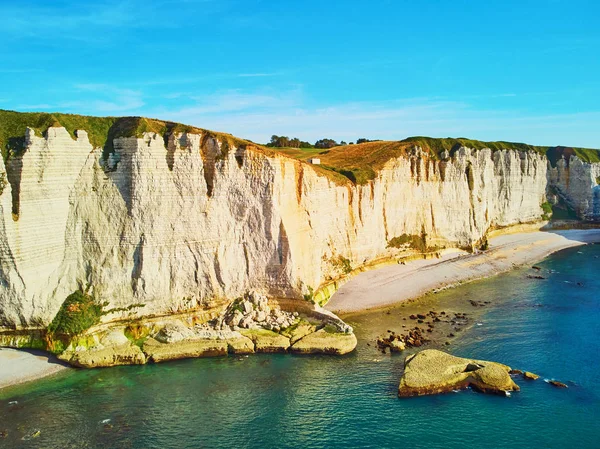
[550, 327]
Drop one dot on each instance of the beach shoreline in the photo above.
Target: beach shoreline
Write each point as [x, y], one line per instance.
[394, 284]
[375, 289]
[18, 366]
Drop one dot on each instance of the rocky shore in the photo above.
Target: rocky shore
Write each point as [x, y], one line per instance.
[248, 325]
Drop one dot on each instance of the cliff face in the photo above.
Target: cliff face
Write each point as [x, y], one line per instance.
[163, 227]
[578, 184]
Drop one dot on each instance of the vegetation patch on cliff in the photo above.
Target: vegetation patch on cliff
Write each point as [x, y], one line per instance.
[77, 314]
[547, 208]
[342, 264]
[416, 242]
[3, 182]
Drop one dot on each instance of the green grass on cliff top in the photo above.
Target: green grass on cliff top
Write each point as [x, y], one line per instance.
[356, 163]
[101, 130]
[360, 163]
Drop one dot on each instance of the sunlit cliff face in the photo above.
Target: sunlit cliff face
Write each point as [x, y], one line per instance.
[190, 222]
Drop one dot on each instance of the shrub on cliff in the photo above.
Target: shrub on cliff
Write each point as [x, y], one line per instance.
[78, 313]
[417, 242]
[547, 208]
[4, 182]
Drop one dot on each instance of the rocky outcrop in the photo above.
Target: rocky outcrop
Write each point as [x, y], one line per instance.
[126, 354]
[168, 226]
[182, 336]
[578, 184]
[432, 372]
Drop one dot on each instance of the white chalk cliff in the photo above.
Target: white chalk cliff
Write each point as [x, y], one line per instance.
[577, 182]
[167, 228]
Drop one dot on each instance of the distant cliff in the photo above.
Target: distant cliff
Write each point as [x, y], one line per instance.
[176, 218]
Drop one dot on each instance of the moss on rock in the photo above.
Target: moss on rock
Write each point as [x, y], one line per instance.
[267, 341]
[298, 330]
[160, 352]
[324, 342]
[432, 371]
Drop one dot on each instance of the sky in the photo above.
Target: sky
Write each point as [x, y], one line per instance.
[525, 71]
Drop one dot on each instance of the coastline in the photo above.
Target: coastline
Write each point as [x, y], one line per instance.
[401, 283]
[18, 366]
[374, 289]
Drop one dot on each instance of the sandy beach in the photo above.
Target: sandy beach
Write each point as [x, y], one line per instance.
[396, 283]
[18, 366]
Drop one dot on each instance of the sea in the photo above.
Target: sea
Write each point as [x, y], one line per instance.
[548, 326]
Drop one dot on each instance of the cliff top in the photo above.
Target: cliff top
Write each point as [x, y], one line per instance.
[361, 162]
[358, 163]
[101, 130]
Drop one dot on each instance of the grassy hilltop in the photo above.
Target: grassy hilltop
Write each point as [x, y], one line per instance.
[101, 130]
[356, 163]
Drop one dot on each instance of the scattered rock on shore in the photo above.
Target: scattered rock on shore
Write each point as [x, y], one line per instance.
[535, 276]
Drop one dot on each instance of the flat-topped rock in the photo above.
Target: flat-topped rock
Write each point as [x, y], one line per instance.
[267, 341]
[240, 345]
[124, 354]
[324, 342]
[432, 372]
[160, 352]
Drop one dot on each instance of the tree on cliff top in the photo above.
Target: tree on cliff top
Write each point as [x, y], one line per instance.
[286, 142]
[325, 143]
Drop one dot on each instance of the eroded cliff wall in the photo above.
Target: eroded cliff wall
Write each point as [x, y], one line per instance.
[578, 184]
[163, 227]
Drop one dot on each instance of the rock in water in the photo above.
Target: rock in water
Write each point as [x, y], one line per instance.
[432, 372]
[530, 376]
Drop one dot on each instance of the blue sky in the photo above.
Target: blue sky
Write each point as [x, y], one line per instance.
[496, 70]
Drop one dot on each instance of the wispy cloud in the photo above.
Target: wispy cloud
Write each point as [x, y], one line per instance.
[95, 99]
[109, 99]
[34, 107]
[258, 116]
[81, 20]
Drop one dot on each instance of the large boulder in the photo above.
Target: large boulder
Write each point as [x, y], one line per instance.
[432, 371]
[174, 332]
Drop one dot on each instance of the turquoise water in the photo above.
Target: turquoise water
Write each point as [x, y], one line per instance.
[550, 327]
